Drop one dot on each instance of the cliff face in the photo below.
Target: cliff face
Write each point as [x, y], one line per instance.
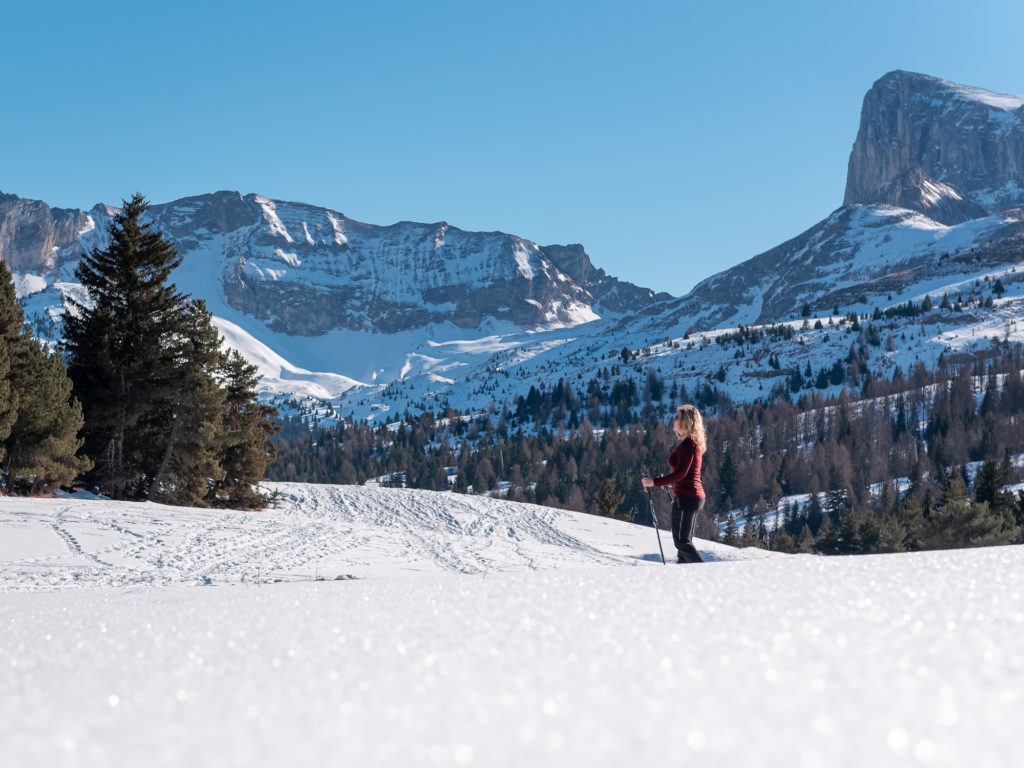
[304, 270]
[32, 233]
[950, 151]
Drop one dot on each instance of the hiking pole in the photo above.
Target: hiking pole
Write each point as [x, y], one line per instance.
[654, 518]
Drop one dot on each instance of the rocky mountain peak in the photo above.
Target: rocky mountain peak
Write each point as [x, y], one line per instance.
[305, 270]
[951, 151]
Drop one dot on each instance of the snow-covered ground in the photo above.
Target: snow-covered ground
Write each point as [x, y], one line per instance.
[483, 632]
[312, 532]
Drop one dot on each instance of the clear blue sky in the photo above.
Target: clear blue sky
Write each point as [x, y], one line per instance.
[671, 139]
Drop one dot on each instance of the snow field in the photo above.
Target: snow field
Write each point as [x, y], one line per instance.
[799, 661]
[313, 531]
[484, 632]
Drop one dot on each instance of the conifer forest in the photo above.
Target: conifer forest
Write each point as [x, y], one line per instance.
[884, 469]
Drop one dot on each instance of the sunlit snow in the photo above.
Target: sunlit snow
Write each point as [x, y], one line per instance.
[482, 632]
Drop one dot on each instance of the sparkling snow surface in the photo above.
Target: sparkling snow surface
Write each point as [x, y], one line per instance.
[611, 660]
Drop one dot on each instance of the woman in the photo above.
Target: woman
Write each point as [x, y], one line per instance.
[685, 480]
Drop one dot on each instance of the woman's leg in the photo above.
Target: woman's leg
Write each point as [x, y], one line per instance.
[682, 528]
[677, 523]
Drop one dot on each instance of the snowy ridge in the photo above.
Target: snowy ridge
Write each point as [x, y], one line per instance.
[998, 101]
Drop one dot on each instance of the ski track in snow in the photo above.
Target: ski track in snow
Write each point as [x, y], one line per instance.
[313, 531]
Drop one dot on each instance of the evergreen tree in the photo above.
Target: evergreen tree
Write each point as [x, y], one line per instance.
[782, 541]
[750, 537]
[169, 416]
[988, 487]
[850, 534]
[727, 475]
[8, 403]
[827, 541]
[608, 499]
[805, 542]
[191, 439]
[731, 535]
[814, 513]
[11, 320]
[39, 420]
[892, 535]
[837, 500]
[959, 522]
[44, 440]
[122, 345]
[247, 450]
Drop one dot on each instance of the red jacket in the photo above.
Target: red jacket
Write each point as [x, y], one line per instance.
[685, 475]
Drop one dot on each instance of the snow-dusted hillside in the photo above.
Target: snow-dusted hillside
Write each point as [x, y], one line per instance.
[565, 644]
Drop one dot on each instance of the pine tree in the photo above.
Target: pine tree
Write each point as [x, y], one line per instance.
[254, 422]
[782, 541]
[959, 522]
[837, 500]
[827, 541]
[247, 451]
[727, 475]
[608, 499]
[849, 539]
[8, 403]
[892, 535]
[39, 420]
[730, 535]
[814, 512]
[805, 541]
[44, 440]
[191, 441]
[750, 536]
[988, 487]
[122, 345]
[11, 320]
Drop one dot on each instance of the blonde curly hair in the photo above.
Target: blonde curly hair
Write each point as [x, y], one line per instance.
[689, 424]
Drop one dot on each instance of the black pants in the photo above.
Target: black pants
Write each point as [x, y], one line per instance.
[684, 516]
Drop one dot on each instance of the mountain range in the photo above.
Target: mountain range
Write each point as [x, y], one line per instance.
[382, 319]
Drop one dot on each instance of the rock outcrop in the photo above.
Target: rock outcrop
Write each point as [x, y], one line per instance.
[304, 270]
[950, 151]
[32, 233]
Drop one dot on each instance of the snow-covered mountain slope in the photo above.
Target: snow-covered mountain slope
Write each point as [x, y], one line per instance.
[615, 660]
[861, 254]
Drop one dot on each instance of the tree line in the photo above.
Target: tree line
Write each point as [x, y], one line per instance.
[148, 407]
[844, 452]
